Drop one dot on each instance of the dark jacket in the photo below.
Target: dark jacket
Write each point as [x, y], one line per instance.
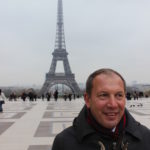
[81, 136]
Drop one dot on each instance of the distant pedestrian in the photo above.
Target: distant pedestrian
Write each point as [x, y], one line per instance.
[56, 95]
[48, 96]
[31, 96]
[70, 96]
[2, 100]
[135, 95]
[65, 96]
[128, 96]
[35, 96]
[23, 96]
[13, 96]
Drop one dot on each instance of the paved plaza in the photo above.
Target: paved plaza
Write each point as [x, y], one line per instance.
[33, 125]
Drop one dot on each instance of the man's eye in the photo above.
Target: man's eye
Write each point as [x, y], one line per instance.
[103, 95]
[119, 95]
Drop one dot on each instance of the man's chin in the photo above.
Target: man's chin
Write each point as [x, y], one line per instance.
[111, 124]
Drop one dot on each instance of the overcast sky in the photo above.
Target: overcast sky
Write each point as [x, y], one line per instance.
[98, 33]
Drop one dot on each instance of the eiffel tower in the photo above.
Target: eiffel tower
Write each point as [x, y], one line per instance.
[60, 54]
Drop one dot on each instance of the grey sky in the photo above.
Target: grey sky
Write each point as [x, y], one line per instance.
[98, 33]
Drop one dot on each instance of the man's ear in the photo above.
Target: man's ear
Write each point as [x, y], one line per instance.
[87, 100]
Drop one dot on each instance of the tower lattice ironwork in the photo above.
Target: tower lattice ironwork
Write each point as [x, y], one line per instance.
[60, 54]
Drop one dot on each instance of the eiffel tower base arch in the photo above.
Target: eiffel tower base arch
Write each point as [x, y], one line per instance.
[60, 78]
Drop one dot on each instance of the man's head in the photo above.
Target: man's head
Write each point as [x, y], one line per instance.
[105, 96]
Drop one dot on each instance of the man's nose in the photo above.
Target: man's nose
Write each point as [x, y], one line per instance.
[112, 101]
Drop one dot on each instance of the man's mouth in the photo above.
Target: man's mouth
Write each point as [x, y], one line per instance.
[111, 114]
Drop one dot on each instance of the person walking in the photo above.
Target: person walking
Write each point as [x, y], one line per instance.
[56, 95]
[2, 100]
[48, 96]
[104, 123]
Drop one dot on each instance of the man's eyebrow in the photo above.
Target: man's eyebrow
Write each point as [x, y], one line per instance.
[102, 92]
[121, 91]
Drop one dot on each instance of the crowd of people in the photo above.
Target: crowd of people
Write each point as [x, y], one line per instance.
[135, 95]
[33, 96]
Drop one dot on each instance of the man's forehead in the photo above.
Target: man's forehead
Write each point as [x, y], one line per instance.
[108, 78]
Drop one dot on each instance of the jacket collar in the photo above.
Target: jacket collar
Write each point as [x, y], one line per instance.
[83, 129]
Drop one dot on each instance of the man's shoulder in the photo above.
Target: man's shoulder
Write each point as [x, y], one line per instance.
[63, 137]
[143, 130]
[136, 128]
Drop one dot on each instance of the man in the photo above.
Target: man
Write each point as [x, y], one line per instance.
[104, 123]
[2, 98]
[56, 95]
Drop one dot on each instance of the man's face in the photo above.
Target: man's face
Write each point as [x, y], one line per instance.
[107, 100]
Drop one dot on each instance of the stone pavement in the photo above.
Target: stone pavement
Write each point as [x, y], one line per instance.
[33, 125]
